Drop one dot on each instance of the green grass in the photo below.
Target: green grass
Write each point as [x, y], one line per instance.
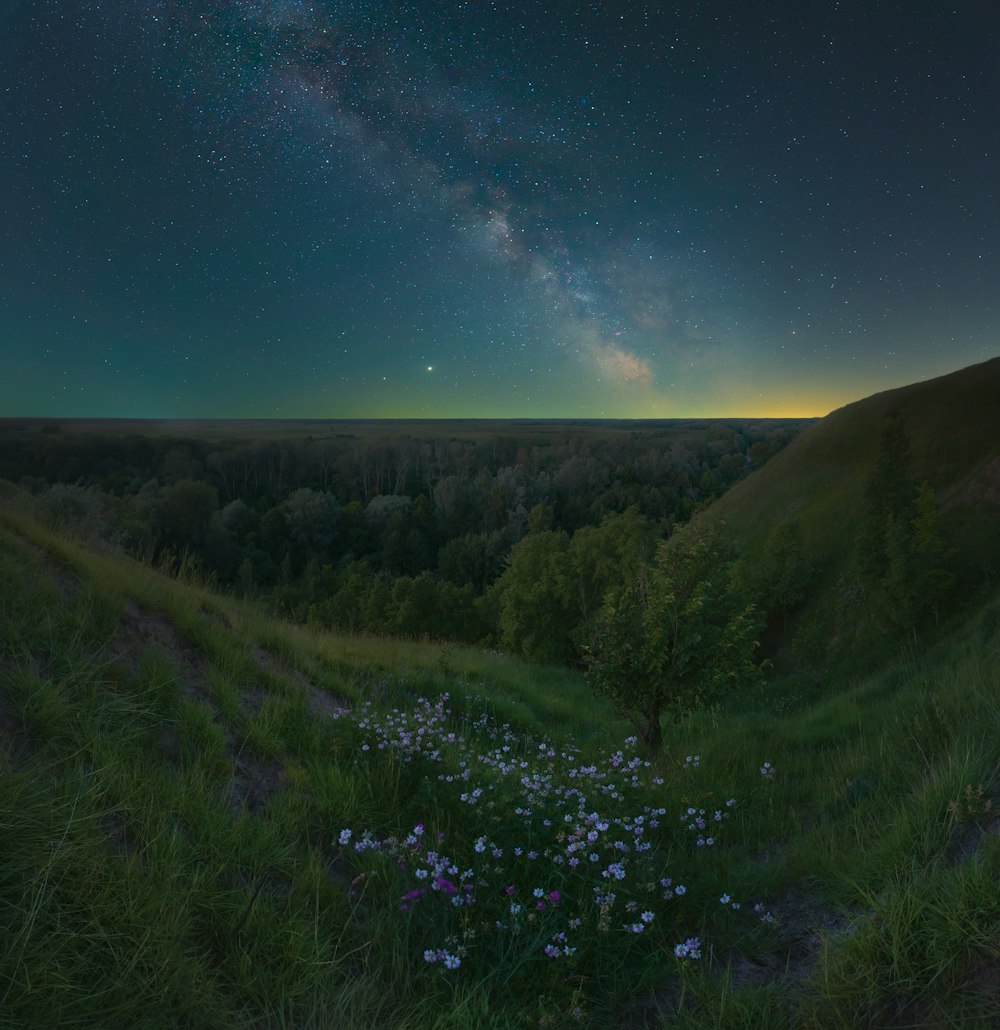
[819, 479]
[171, 789]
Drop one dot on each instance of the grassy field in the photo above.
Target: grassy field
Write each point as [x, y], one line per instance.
[210, 818]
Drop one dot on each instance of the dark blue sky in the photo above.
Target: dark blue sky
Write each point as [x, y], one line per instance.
[276, 208]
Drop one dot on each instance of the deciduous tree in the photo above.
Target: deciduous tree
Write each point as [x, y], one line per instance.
[676, 637]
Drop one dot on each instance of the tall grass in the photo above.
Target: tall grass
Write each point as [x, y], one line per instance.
[177, 769]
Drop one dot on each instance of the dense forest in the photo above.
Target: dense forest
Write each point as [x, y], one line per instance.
[508, 537]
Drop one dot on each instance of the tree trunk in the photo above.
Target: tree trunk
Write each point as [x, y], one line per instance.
[652, 733]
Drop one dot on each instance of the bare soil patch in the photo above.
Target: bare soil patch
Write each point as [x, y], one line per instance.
[322, 704]
[139, 627]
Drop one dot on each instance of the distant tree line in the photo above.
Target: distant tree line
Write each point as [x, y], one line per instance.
[505, 539]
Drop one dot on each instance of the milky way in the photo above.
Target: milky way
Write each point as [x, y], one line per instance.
[440, 209]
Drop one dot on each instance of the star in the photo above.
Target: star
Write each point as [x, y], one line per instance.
[613, 197]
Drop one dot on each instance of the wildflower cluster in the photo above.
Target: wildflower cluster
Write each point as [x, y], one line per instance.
[555, 854]
[691, 948]
[446, 958]
[407, 733]
[698, 821]
[763, 915]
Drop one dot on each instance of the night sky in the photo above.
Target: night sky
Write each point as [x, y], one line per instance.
[283, 209]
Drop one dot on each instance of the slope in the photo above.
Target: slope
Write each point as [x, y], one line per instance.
[174, 768]
[953, 423]
[209, 818]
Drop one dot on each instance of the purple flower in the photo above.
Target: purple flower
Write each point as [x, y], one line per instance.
[691, 948]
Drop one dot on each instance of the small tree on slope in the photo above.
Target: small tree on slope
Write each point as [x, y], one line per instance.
[675, 638]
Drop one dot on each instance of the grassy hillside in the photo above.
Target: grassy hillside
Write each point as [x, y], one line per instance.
[209, 818]
[953, 423]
